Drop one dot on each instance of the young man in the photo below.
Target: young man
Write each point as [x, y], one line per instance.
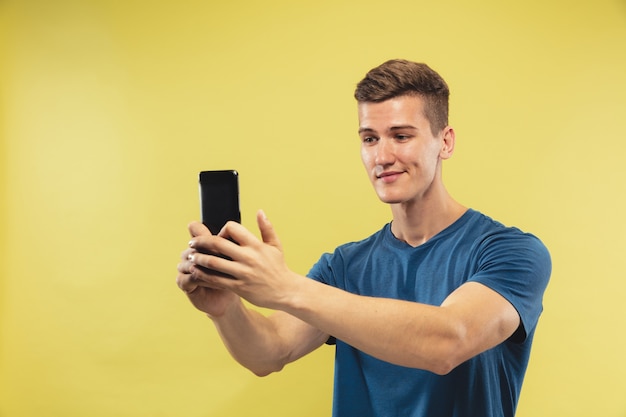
[433, 315]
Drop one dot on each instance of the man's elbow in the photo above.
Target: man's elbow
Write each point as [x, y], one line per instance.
[261, 373]
[262, 370]
[445, 360]
[443, 367]
[452, 352]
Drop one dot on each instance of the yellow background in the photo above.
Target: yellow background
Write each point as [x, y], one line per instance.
[110, 108]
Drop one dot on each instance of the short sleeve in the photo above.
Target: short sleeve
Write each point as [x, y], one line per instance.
[517, 265]
[322, 270]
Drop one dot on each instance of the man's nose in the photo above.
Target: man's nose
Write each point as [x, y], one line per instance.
[384, 152]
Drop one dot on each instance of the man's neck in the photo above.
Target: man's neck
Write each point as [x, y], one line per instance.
[416, 222]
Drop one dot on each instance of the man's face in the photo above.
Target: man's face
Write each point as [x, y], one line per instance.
[400, 153]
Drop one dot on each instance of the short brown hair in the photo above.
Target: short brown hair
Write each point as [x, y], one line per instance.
[398, 77]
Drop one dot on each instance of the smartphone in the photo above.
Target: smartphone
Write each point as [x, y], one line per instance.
[219, 198]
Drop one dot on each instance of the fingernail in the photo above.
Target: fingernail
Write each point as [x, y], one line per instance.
[192, 243]
[190, 258]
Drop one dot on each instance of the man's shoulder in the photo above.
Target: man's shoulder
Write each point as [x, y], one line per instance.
[491, 236]
[373, 239]
[483, 224]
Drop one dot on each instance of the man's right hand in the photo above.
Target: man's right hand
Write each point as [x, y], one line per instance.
[212, 301]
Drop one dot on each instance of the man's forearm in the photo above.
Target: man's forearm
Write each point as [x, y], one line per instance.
[251, 339]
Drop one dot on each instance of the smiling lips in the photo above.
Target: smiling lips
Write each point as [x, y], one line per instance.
[388, 176]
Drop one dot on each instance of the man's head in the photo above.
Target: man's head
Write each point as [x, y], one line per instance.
[397, 78]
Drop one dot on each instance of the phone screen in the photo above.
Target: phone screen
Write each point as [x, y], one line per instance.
[219, 198]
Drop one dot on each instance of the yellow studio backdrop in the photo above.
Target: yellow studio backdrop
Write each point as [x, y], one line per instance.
[108, 110]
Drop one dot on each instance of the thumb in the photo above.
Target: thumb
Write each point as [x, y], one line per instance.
[268, 234]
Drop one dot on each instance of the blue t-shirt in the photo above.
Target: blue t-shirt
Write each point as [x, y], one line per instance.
[474, 248]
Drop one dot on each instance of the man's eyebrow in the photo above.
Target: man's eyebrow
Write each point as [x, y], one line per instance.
[402, 127]
[391, 129]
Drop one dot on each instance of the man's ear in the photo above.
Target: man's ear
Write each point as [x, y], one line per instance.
[448, 142]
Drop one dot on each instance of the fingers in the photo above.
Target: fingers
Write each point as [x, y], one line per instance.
[213, 245]
[193, 275]
[205, 257]
[185, 283]
[184, 279]
[207, 267]
[198, 229]
[238, 233]
[185, 255]
[243, 237]
[268, 234]
[193, 272]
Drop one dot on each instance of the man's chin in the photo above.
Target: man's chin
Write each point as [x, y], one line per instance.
[390, 199]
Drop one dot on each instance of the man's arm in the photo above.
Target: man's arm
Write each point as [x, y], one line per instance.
[266, 344]
[261, 344]
[471, 320]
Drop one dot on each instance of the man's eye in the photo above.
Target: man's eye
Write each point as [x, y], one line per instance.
[369, 139]
[402, 137]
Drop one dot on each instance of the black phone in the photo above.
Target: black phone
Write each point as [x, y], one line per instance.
[219, 198]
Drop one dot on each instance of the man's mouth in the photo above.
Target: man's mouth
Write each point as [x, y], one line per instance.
[388, 176]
